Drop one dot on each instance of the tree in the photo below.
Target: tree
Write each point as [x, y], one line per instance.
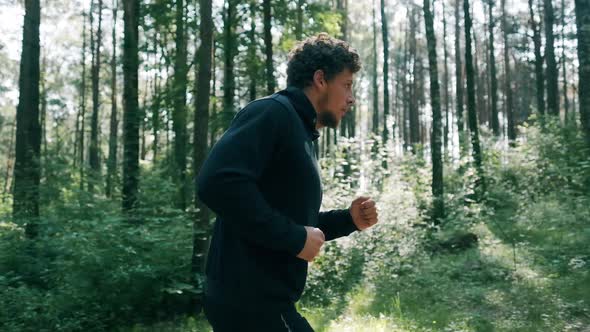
[436, 137]
[28, 131]
[493, 78]
[507, 78]
[201, 223]
[583, 27]
[551, 70]
[563, 64]
[112, 161]
[539, 78]
[270, 77]
[93, 158]
[130, 105]
[459, 77]
[375, 86]
[471, 110]
[414, 115]
[385, 35]
[179, 113]
[229, 54]
[446, 80]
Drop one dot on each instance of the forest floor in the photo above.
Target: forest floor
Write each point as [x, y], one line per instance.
[528, 272]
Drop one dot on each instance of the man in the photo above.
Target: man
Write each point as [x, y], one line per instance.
[262, 180]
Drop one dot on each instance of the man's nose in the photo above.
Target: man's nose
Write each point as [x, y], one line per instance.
[351, 100]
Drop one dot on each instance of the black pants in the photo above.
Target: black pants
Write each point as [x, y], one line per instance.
[226, 318]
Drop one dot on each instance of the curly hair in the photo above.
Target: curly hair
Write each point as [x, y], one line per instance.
[320, 52]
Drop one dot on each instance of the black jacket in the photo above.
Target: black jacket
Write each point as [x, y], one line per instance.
[262, 180]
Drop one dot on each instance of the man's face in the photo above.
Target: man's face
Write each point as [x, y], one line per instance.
[336, 99]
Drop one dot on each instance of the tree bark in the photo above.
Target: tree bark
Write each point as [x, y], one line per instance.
[566, 102]
[471, 110]
[507, 78]
[270, 77]
[201, 223]
[385, 35]
[493, 78]
[229, 53]
[551, 70]
[375, 86]
[130, 107]
[436, 136]
[413, 110]
[459, 78]
[539, 77]
[114, 125]
[583, 27]
[252, 52]
[93, 158]
[179, 114]
[28, 131]
[446, 81]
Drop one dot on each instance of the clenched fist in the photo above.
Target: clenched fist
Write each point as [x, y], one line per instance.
[313, 243]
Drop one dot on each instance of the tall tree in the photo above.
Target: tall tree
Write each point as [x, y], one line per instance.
[374, 77]
[436, 137]
[385, 34]
[551, 70]
[179, 114]
[112, 161]
[507, 78]
[229, 54]
[459, 77]
[414, 115]
[28, 131]
[270, 77]
[130, 105]
[446, 80]
[201, 223]
[299, 23]
[539, 77]
[471, 110]
[583, 28]
[493, 78]
[563, 64]
[252, 51]
[93, 158]
[81, 119]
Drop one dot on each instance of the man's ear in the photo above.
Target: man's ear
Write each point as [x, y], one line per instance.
[319, 79]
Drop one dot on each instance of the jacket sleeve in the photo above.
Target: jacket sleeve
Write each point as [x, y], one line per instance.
[336, 223]
[227, 181]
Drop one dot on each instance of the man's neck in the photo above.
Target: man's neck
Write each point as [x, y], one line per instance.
[314, 99]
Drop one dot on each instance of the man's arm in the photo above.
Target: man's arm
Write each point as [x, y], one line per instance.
[336, 223]
[227, 181]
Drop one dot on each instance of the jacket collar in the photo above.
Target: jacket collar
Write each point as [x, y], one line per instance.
[304, 108]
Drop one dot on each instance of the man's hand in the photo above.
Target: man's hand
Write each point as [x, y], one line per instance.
[313, 243]
[364, 212]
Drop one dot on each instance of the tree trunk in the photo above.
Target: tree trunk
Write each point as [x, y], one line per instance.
[374, 76]
[436, 137]
[112, 161]
[93, 148]
[459, 78]
[130, 107]
[8, 164]
[179, 114]
[229, 53]
[539, 78]
[472, 112]
[551, 70]
[507, 77]
[156, 104]
[583, 27]
[414, 112]
[385, 34]
[493, 78]
[252, 48]
[28, 131]
[566, 102]
[299, 23]
[446, 81]
[270, 77]
[201, 223]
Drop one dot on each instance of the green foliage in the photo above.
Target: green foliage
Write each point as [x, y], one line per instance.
[90, 269]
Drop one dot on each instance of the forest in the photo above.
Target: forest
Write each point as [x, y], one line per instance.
[471, 131]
